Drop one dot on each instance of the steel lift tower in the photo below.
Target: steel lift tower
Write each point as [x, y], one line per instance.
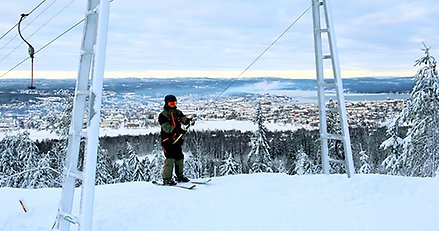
[322, 23]
[86, 108]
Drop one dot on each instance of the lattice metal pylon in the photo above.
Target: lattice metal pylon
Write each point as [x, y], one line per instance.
[89, 86]
[322, 23]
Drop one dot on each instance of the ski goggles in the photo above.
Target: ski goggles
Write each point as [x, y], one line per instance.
[172, 104]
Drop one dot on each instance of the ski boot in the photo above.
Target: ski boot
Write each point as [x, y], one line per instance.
[183, 179]
[169, 182]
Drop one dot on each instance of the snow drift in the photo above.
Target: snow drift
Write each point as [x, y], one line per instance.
[244, 202]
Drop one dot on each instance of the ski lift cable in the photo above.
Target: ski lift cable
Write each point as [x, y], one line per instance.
[43, 47]
[15, 36]
[7, 32]
[63, 33]
[30, 36]
[222, 92]
[50, 19]
[23, 16]
[256, 59]
[47, 44]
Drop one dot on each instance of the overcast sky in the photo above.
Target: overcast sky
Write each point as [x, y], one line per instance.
[204, 37]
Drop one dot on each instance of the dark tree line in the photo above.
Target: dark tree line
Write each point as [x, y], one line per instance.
[208, 154]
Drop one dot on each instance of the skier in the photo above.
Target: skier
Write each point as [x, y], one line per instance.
[171, 120]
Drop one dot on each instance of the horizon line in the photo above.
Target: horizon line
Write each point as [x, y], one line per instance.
[288, 74]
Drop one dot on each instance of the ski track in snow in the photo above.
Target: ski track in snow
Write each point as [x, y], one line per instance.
[244, 202]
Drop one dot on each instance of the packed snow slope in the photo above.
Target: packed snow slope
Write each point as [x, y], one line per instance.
[245, 202]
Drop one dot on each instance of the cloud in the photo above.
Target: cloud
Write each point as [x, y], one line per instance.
[224, 35]
[378, 35]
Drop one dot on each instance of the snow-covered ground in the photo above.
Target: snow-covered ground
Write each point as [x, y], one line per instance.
[245, 202]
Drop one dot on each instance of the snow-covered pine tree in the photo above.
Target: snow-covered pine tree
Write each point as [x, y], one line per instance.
[123, 172]
[230, 166]
[135, 167]
[8, 162]
[27, 155]
[421, 145]
[303, 165]
[365, 165]
[394, 162]
[57, 155]
[156, 166]
[281, 167]
[194, 166]
[278, 166]
[104, 167]
[146, 173]
[28, 152]
[259, 157]
[42, 177]
[18, 160]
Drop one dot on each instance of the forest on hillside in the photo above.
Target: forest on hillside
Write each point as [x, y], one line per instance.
[208, 154]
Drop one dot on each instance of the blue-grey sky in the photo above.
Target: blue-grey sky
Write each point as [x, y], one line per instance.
[222, 37]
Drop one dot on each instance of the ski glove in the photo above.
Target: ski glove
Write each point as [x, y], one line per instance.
[191, 121]
[179, 130]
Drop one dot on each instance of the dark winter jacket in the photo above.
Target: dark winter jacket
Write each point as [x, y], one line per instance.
[170, 120]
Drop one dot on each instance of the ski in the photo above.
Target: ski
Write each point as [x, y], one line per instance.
[178, 185]
[200, 181]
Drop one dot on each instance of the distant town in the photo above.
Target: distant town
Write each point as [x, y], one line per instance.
[130, 112]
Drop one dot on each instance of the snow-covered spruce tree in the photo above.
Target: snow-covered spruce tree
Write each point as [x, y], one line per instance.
[9, 165]
[135, 167]
[421, 145]
[230, 167]
[281, 168]
[57, 155]
[146, 163]
[278, 166]
[365, 165]
[394, 162]
[27, 154]
[18, 160]
[194, 166]
[156, 165]
[335, 147]
[123, 173]
[259, 156]
[104, 168]
[43, 176]
[303, 165]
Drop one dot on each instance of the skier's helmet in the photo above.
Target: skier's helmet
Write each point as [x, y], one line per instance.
[171, 100]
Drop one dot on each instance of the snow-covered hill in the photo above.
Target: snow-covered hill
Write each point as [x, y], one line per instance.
[245, 202]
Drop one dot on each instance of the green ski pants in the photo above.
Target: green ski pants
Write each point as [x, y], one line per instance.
[168, 167]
